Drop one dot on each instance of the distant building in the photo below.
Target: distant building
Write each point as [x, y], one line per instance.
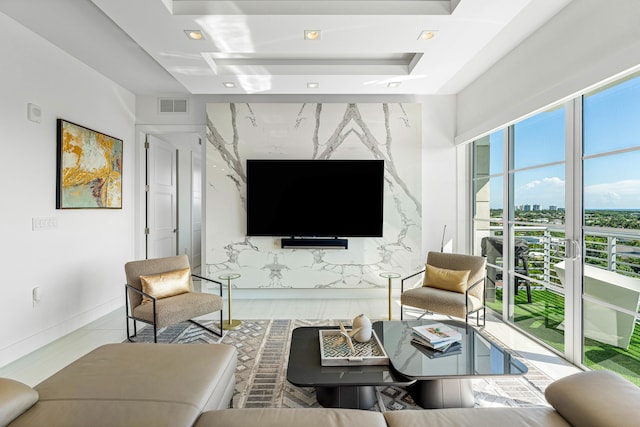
[527, 208]
[553, 208]
[536, 207]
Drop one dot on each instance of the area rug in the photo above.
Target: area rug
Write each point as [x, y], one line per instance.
[263, 349]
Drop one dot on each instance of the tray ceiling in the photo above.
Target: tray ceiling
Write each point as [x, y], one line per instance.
[363, 47]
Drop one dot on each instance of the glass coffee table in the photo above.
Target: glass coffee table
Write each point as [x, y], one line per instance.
[444, 380]
[336, 386]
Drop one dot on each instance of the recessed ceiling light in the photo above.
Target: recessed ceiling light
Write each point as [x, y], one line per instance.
[194, 34]
[229, 84]
[427, 35]
[313, 85]
[393, 84]
[312, 34]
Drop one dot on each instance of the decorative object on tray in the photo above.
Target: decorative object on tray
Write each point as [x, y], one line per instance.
[362, 323]
[367, 353]
[436, 336]
[346, 338]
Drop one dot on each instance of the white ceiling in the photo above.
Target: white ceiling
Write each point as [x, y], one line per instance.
[259, 46]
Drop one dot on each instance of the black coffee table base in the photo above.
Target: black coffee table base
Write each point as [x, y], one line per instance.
[351, 397]
[443, 393]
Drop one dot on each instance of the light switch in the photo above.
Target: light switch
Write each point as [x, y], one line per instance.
[39, 224]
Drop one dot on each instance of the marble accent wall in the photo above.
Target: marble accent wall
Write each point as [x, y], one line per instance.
[237, 132]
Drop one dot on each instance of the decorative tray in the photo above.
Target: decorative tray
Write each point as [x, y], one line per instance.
[367, 353]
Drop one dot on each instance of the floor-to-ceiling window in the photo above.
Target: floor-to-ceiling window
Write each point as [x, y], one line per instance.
[488, 185]
[537, 200]
[611, 227]
[526, 190]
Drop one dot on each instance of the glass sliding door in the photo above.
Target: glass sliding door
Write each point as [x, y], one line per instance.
[488, 195]
[537, 226]
[557, 213]
[611, 228]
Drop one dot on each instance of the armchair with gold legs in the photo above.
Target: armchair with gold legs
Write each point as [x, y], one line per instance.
[160, 292]
[450, 284]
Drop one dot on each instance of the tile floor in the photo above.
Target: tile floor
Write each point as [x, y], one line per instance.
[40, 364]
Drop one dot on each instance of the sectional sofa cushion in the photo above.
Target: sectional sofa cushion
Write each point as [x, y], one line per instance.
[477, 417]
[279, 417]
[15, 398]
[595, 399]
[136, 385]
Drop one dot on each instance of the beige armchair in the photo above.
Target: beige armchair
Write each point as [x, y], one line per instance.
[445, 286]
[160, 292]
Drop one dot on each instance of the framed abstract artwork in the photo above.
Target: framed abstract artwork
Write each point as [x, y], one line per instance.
[89, 172]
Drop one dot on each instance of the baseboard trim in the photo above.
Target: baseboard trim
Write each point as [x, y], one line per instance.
[46, 336]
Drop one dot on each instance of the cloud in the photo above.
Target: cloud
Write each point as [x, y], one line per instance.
[543, 191]
[623, 194]
[532, 184]
[552, 181]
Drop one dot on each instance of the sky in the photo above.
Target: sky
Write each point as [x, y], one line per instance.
[611, 120]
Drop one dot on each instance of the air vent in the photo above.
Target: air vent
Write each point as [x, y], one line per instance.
[173, 105]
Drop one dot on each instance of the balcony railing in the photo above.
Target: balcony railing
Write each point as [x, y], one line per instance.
[617, 251]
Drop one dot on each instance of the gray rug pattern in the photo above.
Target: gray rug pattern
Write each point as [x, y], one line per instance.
[263, 349]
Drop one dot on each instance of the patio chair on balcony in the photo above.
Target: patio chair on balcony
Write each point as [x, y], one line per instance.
[492, 249]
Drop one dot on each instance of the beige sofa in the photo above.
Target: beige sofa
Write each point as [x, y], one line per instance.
[186, 385]
[587, 399]
[126, 385]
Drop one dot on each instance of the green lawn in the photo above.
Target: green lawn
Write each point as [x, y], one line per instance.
[543, 319]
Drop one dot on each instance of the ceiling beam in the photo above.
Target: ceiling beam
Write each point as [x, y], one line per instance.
[311, 7]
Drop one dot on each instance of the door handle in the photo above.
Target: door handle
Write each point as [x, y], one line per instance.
[572, 249]
[577, 249]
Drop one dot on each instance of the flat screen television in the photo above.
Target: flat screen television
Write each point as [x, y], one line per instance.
[315, 198]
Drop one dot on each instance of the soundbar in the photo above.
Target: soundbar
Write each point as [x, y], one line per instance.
[305, 243]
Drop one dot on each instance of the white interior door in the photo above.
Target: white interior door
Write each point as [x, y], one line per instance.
[161, 198]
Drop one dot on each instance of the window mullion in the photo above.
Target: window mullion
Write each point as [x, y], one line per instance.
[507, 216]
[573, 225]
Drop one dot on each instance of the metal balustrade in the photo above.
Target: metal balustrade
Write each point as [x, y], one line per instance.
[613, 250]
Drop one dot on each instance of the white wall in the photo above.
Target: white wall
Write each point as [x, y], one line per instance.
[78, 265]
[440, 174]
[585, 43]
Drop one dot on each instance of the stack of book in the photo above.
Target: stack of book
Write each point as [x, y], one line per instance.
[436, 336]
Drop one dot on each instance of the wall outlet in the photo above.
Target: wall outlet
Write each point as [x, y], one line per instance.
[36, 295]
